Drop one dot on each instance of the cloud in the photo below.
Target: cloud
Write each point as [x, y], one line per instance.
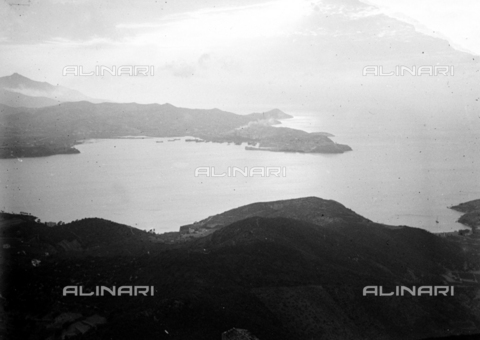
[181, 69]
[204, 60]
[184, 69]
[369, 12]
[453, 21]
[220, 27]
[140, 25]
[262, 122]
[71, 43]
[205, 65]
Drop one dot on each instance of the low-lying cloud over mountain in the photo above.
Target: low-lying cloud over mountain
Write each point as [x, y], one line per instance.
[19, 91]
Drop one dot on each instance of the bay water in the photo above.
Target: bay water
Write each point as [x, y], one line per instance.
[399, 178]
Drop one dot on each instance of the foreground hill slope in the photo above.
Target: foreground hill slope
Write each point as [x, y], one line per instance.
[309, 209]
[298, 276]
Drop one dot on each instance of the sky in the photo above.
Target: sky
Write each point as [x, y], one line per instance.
[455, 21]
[241, 55]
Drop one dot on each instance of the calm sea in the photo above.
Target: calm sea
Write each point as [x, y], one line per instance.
[407, 178]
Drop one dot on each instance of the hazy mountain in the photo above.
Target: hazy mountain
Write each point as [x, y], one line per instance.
[19, 91]
[278, 277]
[17, 99]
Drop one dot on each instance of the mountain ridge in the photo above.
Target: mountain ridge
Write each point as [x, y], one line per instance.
[325, 213]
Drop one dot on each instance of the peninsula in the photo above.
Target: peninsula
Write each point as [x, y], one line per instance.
[471, 216]
[33, 128]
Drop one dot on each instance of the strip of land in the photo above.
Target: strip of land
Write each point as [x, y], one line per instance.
[37, 132]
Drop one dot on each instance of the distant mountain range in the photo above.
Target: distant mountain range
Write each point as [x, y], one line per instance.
[282, 270]
[19, 91]
[50, 130]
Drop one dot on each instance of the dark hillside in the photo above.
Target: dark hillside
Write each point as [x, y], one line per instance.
[276, 276]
